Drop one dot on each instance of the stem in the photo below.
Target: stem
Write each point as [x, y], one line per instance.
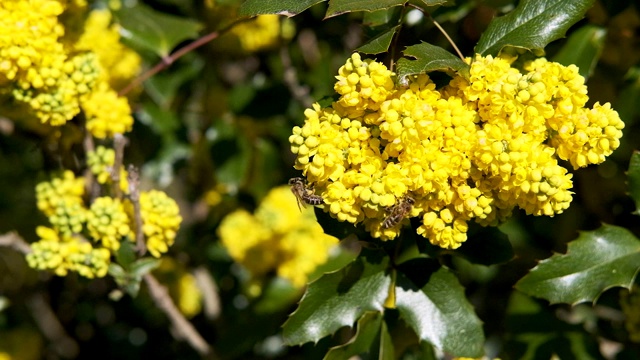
[453, 44]
[394, 41]
[14, 241]
[134, 195]
[119, 142]
[170, 59]
[184, 329]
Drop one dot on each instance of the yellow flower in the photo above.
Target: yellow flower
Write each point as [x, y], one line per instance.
[279, 237]
[108, 222]
[107, 113]
[473, 150]
[161, 220]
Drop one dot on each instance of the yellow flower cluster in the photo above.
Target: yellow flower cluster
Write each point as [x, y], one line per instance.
[161, 220]
[473, 150]
[261, 33]
[52, 77]
[279, 236]
[64, 253]
[108, 222]
[182, 286]
[100, 163]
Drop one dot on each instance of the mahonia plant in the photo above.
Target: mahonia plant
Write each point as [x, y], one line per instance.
[473, 150]
[60, 60]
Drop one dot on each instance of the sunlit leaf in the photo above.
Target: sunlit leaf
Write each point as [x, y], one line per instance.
[338, 299]
[337, 7]
[583, 48]
[367, 334]
[532, 25]
[423, 4]
[381, 17]
[379, 43]
[633, 180]
[152, 30]
[432, 301]
[594, 262]
[429, 58]
[281, 7]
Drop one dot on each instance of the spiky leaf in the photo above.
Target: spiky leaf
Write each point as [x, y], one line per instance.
[532, 25]
[338, 299]
[368, 331]
[379, 43]
[337, 7]
[596, 261]
[634, 180]
[280, 7]
[429, 58]
[432, 301]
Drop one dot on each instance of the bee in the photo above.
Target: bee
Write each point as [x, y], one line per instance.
[304, 194]
[398, 212]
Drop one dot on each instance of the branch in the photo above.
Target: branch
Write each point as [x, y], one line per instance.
[168, 60]
[119, 142]
[63, 344]
[183, 327]
[14, 241]
[134, 195]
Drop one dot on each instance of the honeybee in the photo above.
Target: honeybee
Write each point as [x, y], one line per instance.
[398, 212]
[304, 194]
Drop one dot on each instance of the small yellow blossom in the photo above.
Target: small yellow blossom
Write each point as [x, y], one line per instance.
[107, 113]
[160, 220]
[66, 189]
[108, 222]
[278, 237]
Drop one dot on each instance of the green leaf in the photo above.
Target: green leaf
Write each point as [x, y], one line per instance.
[423, 4]
[278, 295]
[536, 333]
[432, 301]
[583, 48]
[143, 266]
[118, 273]
[627, 102]
[386, 351]
[381, 17]
[487, 246]
[152, 30]
[126, 255]
[532, 25]
[633, 176]
[429, 58]
[338, 299]
[368, 330]
[337, 7]
[380, 43]
[596, 261]
[280, 7]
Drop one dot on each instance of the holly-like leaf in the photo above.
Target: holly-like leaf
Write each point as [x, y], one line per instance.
[596, 261]
[423, 4]
[583, 48]
[368, 331]
[338, 299]
[429, 58]
[155, 31]
[432, 301]
[337, 7]
[627, 102]
[532, 25]
[280, 7]
[381, 17]
[379, 43]
[633, 176]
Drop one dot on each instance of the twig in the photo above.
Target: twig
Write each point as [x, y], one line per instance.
[453, 44]
[15, 242]
[63, 344]
[90, 183]
[210, 294]
[119, 142]
[290, 77]
[184, 328]
[134, 194]
[170, 59]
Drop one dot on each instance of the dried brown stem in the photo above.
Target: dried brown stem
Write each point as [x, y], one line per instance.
[90, 183]
[183, 327]
[15, 242]
[134, 196]
[119, 142]
[63, 344]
